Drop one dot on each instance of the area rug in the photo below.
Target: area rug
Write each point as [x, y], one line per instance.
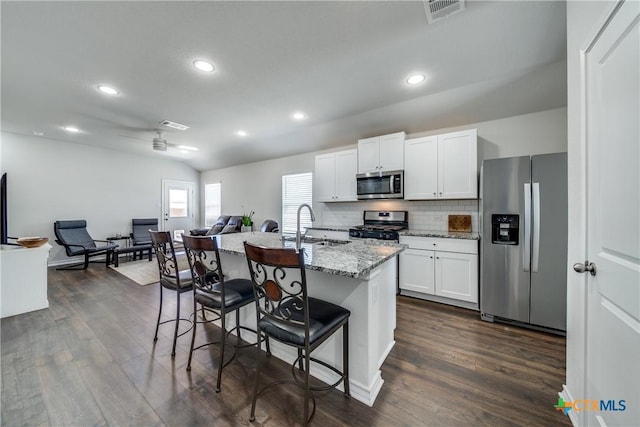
[145, 272]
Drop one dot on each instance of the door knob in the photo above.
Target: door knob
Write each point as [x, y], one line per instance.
[587, 266]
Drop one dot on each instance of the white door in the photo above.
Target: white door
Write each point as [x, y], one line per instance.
[178, 212]
[612, 371]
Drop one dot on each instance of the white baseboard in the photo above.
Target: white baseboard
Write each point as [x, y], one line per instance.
[566, 395]
[74, 260]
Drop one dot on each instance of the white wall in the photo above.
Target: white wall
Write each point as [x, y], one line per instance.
[536, 133]
[257, 186]
[582, 19]
[50, 180]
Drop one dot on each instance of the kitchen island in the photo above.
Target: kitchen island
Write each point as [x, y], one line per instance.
[356, 275]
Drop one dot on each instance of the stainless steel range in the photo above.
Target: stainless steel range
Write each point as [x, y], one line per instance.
[381, 225]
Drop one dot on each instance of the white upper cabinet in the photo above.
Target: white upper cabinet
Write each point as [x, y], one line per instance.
[346, 170]
[324, 177]
[369, 155]
[381, 153]
[458, 165]
[335, 176]
[421, 168]
[442, 166]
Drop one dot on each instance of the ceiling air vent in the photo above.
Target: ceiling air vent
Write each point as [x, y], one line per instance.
[174, 125]
[440, 9]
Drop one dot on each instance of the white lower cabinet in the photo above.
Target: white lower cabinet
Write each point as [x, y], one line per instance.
[444, 270]
[417, 271]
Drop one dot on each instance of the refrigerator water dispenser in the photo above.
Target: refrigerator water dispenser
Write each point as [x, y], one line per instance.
[504, 229]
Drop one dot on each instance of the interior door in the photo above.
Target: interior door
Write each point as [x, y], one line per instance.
[178, 211]
[612, 370]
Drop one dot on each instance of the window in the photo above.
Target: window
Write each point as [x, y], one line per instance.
[178, 203]
[296, 190]
[212, 206]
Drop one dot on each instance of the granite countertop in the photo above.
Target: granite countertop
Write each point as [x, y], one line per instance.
[353, 259]
[440, 234]
[410, 232]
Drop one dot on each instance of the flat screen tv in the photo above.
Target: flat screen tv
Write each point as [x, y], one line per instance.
[3, 210]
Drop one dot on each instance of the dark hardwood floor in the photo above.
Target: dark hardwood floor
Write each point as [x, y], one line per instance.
[90, 359]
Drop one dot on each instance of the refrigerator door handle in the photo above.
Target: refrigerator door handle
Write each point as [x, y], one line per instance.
[526, 245]
[535, 253]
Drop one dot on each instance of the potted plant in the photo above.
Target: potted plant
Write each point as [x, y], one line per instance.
[247, 221]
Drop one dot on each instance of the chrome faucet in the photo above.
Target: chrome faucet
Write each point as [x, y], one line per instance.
[313, 218]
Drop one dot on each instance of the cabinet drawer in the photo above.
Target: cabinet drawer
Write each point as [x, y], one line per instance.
[439, 244]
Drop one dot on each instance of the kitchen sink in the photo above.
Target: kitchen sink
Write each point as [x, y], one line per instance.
[331, 243]
[316, 241]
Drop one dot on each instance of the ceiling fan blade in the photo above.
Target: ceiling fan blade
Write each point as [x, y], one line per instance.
[134, 138]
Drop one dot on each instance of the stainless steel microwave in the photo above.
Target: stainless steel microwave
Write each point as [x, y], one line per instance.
[380, 185]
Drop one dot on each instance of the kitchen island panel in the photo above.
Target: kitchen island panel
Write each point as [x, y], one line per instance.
[371, 300]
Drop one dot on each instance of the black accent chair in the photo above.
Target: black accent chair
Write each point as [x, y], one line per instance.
[140, 239]
[75, 238]
[215, 295]
[287, 314]
[170, 278]
[269, 226]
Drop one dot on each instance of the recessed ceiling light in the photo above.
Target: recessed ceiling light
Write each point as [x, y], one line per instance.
[241, 133]
[108, 90]
[298, 115]
[415, 79]
[187, 148]
[203, 65]
[72, 129]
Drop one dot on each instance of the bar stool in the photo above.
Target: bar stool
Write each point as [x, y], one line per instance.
[170, 278]
[287, 314]
[214, 294]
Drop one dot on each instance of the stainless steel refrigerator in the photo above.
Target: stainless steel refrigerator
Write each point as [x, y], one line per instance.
[524, 240]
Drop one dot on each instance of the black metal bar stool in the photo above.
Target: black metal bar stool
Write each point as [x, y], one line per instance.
[287, 314]
[171, 277]
[215, 295]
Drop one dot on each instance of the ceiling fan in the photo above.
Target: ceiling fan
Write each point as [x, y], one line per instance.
[159, 143]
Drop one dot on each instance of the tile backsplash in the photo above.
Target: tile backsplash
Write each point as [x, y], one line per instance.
[423, 215]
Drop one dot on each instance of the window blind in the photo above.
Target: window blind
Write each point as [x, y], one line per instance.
[212, 205]
[296, 190]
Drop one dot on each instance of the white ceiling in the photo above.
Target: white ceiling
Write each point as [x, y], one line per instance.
[342, 63]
